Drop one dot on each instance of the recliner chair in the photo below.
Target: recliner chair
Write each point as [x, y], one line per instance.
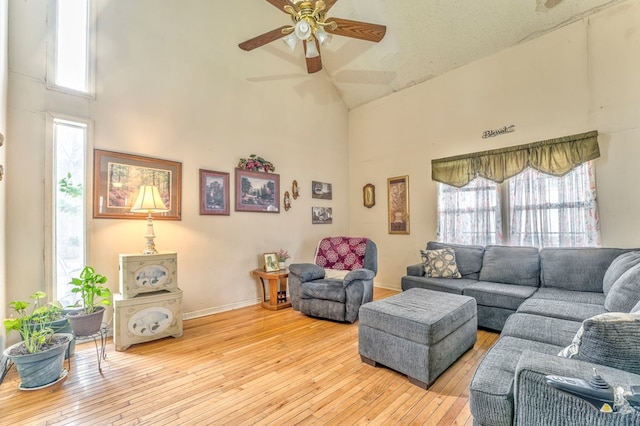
[316, 290]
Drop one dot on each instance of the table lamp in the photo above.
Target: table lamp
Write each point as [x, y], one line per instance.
[149, 201]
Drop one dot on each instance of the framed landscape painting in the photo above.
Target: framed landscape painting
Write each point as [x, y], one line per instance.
[214, 193]
[117, 179]
[257, 191]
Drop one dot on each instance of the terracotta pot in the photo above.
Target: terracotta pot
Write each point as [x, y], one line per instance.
[86, 324]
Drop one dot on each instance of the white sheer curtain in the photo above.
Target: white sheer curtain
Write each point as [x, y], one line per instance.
[471, 214]
[548, 211]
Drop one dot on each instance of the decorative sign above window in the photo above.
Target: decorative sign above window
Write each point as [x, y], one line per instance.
[497, 132]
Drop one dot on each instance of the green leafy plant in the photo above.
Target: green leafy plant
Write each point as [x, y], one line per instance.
[67, 187]
[35, 327]
[91, 289]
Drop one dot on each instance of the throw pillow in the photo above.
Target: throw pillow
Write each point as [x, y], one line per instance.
[625, 292]
[611, 339]
[619, 266]
[440, 263]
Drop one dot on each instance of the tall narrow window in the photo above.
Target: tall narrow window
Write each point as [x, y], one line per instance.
[69, 171]
[71, 62]
[471, 214]
[548, 211]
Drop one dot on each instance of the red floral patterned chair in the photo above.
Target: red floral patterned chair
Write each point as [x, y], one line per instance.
[340, 280]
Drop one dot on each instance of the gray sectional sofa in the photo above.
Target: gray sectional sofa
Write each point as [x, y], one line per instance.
[539, 300]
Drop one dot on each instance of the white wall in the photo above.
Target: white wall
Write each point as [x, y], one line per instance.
[578, 78]
[3, 128]
[171, 85]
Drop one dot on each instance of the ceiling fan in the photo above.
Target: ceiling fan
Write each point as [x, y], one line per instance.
[314, 29]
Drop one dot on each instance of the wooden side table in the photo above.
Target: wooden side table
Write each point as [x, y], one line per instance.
[277, 288]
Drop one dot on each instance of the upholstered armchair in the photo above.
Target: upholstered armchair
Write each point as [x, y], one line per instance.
[339, 282]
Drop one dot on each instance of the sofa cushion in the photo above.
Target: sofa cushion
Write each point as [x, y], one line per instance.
[440, 263]
[611, 339]
[325, 289]
[578, 269]
[571, 311]
[511, 265]
[619, 266]
[588, 297]
[499, 295]
[625, 292]
[468, 257]
[553, 331]
[445, 285]
[636, 308]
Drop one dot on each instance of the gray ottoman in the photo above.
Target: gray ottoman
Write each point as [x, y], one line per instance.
[419, 332]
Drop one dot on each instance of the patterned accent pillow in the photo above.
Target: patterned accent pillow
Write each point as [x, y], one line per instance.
[440, 263]
[611, 339]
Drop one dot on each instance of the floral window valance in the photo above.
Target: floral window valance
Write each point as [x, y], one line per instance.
[556, 157]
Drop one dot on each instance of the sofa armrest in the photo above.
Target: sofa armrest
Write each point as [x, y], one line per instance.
[358, 274]
[416, 270]
[306, 271]
[539, 404]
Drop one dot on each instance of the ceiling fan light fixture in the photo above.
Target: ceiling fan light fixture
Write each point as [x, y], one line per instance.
[312, 49]
[302, 30]
[291, 40]
[322, 36]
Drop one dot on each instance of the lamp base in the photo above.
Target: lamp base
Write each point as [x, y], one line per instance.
[150, 235]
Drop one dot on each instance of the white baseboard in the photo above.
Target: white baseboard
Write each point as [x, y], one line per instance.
[223, 308]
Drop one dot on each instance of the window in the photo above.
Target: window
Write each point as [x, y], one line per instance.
[471, 214]
[68, 205]
[71, 45]
[549, 211]
[544, 210]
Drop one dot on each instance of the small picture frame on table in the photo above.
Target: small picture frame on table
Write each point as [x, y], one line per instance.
[271, 262]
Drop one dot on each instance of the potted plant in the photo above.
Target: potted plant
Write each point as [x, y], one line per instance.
[40, 355]
[50, 315]
[283, 255]
[93, 294]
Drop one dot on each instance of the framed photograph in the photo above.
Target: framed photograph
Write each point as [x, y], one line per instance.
[257, 191]
[271, 262]
[117, 179]
[214, 192]
[398, 195]
[321, 190]
[369, 195]
[321, 215]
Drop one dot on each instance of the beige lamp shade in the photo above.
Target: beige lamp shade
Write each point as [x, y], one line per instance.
[149, 200]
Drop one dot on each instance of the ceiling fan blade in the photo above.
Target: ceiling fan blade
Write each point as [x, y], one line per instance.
[280, 4]
[357, 29]
[263, 39]
[313, 64]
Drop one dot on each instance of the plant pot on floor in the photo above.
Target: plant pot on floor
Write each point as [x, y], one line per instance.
[41, 368]
[84, 324]
[60, 326]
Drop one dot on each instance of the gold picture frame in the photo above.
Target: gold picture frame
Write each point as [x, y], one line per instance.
[398, 204]
[271, 263]
[369, 195]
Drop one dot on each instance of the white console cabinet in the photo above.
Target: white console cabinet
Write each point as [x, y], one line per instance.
[149, 305]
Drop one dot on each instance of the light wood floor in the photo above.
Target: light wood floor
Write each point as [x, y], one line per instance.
[244, 367]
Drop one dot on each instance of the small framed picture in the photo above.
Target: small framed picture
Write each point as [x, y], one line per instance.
[271, 262]
[321, 190]
[214, 192]
[321, 215]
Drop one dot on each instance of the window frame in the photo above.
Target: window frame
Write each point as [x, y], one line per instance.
[51, 187]
[52, 54]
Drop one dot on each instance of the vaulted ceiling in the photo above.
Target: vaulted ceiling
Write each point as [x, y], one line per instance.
[425, 38]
